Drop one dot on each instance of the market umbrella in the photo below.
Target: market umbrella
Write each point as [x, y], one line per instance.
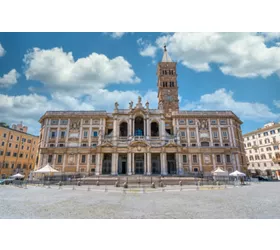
[46, 169]
[237, 174]
[18, 175]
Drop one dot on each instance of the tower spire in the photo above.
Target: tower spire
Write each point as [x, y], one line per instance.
[166, 57]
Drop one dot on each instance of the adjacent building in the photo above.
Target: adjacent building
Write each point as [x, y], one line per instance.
[262, 149]
[18, 150]
[143, 141]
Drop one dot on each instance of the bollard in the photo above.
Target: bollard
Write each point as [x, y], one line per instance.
[97, 183]
[117, 184]
[125, 185]
[79, 183]
[180, 183]
[153, 185]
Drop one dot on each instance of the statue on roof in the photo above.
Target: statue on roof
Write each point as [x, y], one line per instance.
[130, 104]
[139, 99]
[147, 105]
[116, 105]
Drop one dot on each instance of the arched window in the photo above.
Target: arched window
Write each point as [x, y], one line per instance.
[139, 126]
[123, 129]
[154, 129]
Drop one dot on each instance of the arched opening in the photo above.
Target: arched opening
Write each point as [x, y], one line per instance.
[107, 164]
[154, 129]
[268, 172]
[204, 144]
[139, 126]
[123, 129]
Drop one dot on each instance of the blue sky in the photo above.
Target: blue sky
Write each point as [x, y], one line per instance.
[90, 71]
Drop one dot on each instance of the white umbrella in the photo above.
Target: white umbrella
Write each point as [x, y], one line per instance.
[237, 174]
[219, 171]
[46, 169]
[18, 175]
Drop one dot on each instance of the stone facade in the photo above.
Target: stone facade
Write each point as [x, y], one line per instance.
[144, 141]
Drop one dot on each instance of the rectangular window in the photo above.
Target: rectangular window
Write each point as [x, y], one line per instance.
[1, 152]
[12, 165]
[216, 145]
[225, 134]
[260, 142]
[20, 155]
[59, 159]
[193, 145]
[255, 143]
[64, 122]
[22, 147]
[182, 122]
[213, 122]
[278, 130]
[94, 133]
[61, 145]
[23, 140]
[10, 145]
[8, 153]
[14, 154]
[62, 134]
[215, 134]
[83, 158]
[26, 156]
[265, 134]
[4, 135]
[228, 158]
[11, 137]
[28, 141]
[192, 133]
[259, 135]
[183, 133]
[223, 122]
[85, 134]
[185, 159]
[54, 122]
[194, 158]
[93, 145]
[93, 159]
[84, 145]
[272, 132]
[276, 147]
[50, 159]
[51, 145]
[17, 138]
[19, 165]
[218, 158]
[3, 143]
[53, 134]
[253, 137]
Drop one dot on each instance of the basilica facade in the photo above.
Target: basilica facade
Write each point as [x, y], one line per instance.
[143, 141]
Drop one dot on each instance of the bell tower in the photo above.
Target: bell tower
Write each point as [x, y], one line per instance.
[167, 84]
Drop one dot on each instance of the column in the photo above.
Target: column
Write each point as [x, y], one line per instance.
[81, 130]
[57, 133]
[190, 162]
[210, 132]
[233, 161]
[129, 126]
[148, 129]
[64, 162]
[98, 163]
[114, 163]
[145, 124]
[78, 162]
[162, 125]
[224, 161]
[133, 124]
[88, 163]
[129, 163]
[237, 162]
[67, 133]
[163, 163]
[188, 135]
[115, 128]
[133, 165]
[200, 163]
[181, 168]
[197, 136]
[220, 134]
[90, 133]
[149, 169]
[214, 161]
[145, 163]
[233, 135]
[48, 136]
[230, 136]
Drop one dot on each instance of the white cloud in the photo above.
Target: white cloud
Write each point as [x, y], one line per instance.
[276, 103]
[270, 36]
[223, 100]
[117, 35]
[146, 49]
[2, 51]
[236, 54]
[58, 71]
[9, 79]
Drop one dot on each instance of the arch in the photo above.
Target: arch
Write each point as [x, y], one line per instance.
[154, 128]
[123, 129]
[205, 144]
[139, 126]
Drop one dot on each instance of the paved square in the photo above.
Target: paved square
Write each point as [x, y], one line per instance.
[255, 201]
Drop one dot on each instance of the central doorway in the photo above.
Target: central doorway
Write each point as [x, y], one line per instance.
[107, 164]
[171, 164]
[139, 163]
[156, 164]
[122, 164]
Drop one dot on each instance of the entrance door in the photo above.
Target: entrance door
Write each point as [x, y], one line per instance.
[139, 163]
[171, 167]
[156, 164]
[123, 169]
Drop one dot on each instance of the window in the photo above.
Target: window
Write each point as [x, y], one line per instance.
[193, 145]
[225, 134]
[83, 158]
[23, 140]
[183, 133]
[218, 158]
[24, 166]
[184, 145]
[27, 148]
[249, 145]
[26, 156]
[16, 145]
[191, 122]
[263, 157]
[247, 138]
[20, 155]
[216, 144]
[195, 169]
[192, 133]
[226, 145]
[54, 122]
[62, 134]
[261, 149]
[61, 145]
[12, 165]
[258, 165]
[1, 152]
[94, 133]
[251, 158]
[278, 130]
[253, 165]
[276, 147]
[264, 164]
[204, 144]
[270, 156]
[59, 159]
[64, 122]
[30, 166]
[85, 134]
[93, 145]
[256, 151]
[93, 158]
[53, 134]
[11, 137]
[19, 165]
[17, 138]
[51, 145]
[259, 135]
[255, 143]
[215, 134]
[268, 149]
[265, 134]
[14, 154]
[194, 158]
[253, 137]
[266, 141]
[272, 132]
[250, 151]
[182, 122]
[223, 122]
[22, 147]
[8, 153]
[28, 141]
[50, 159]
[3, 143]
[4, 135]
[10, 145]
[260, 142]
[257, 157]
[84, 145]
[213, 122]
[185, 159]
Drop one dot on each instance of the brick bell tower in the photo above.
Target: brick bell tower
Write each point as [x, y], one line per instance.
[167, 84]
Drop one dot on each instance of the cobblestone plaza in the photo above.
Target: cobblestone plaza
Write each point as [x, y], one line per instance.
[256, 201]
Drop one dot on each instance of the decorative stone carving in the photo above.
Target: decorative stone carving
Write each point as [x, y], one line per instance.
[203, 125]
[71, 159]
[147, 105]
[207, 159]
[160, 105]
[75, 124]
[116, 106]
[131, 105]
